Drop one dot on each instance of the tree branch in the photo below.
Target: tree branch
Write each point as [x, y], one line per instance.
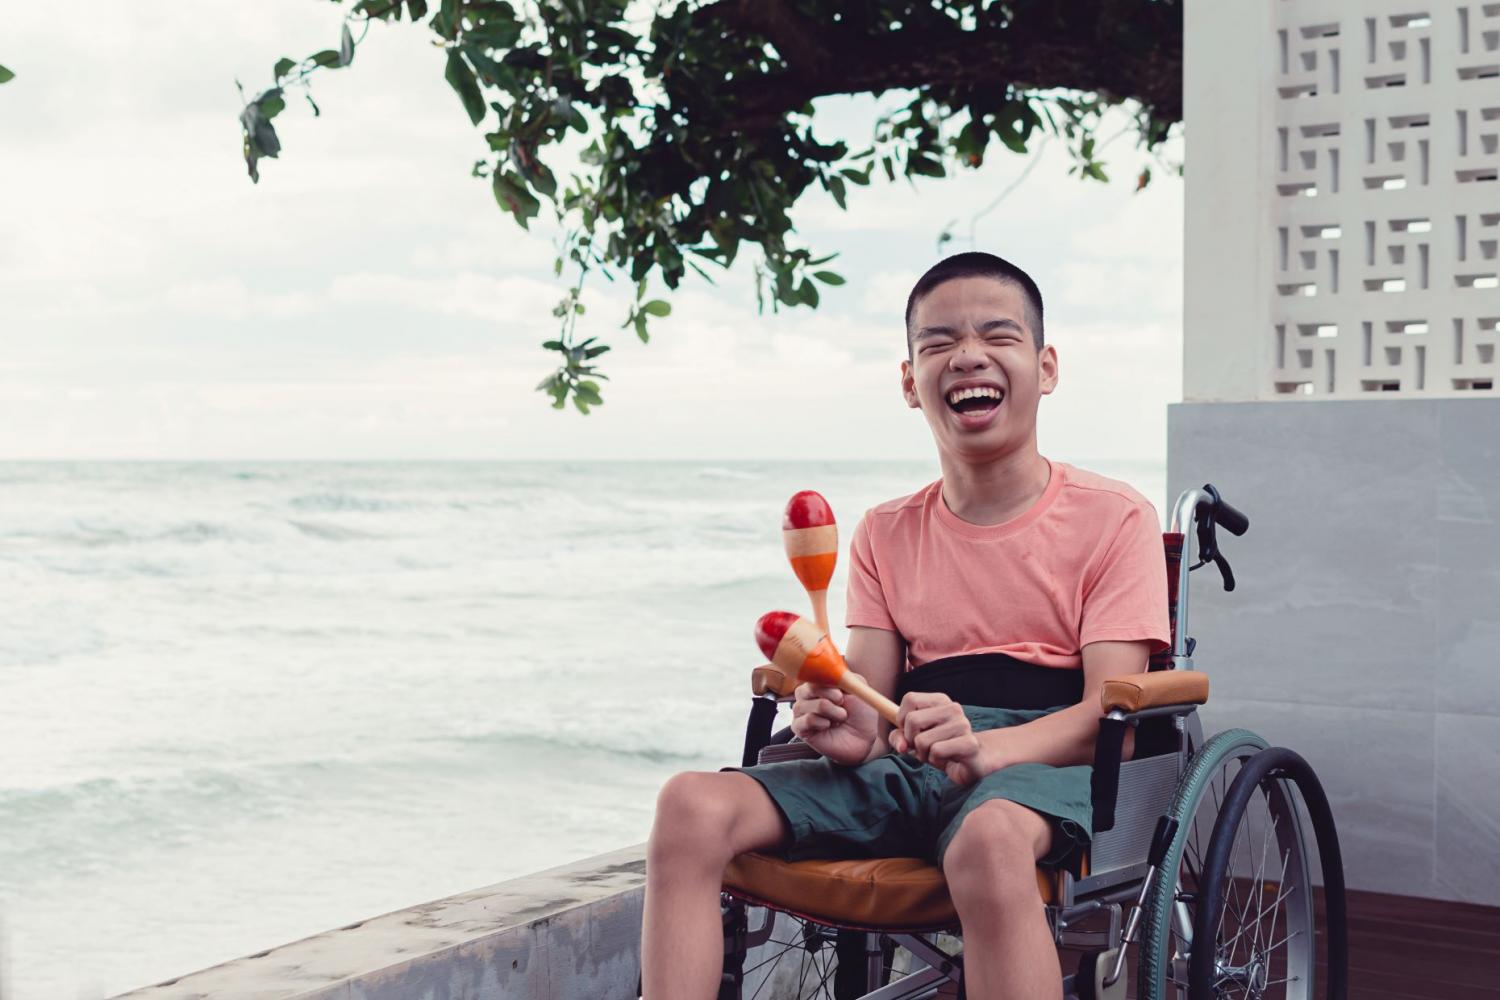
[1041, 48]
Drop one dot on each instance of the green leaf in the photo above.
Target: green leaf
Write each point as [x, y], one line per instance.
[640, 328]
[346, 46]
[446, 21]
[656, 307]
[589, 393]
[808, 293]
[836, 188]
[920, 163]
[829, 277]
[512, 196]
[317, 111]
[461, 79]
[416, 9]
[6, 75]
[271, 104]
[328, 57]
[267, 140]
[283, 67]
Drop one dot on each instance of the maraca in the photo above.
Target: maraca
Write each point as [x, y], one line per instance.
[804, 653]
[812, 545]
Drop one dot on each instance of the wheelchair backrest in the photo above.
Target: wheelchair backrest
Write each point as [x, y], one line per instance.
[1172, 543]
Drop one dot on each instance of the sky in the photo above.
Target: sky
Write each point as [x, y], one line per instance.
[367, 300]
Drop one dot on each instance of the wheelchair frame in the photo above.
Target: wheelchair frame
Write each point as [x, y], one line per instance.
[1124, 858]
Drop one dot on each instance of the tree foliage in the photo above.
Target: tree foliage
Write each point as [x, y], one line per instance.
[694, 119]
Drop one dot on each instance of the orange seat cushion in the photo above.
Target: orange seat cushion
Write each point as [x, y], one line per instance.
[869, 894]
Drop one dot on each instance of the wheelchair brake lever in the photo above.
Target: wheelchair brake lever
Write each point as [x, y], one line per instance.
[1223, 565]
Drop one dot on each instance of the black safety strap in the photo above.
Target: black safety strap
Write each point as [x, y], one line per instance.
[1105, 782]
[758, 729]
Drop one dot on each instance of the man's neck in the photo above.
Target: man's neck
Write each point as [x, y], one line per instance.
[995, 491]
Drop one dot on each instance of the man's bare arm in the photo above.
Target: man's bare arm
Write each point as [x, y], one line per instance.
[877, 655]
[1067, 737]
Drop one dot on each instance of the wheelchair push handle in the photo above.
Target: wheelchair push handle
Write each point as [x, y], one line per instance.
[1219, 510]
[1201, 512]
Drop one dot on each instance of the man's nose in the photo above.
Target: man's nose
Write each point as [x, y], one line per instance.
[966, 357]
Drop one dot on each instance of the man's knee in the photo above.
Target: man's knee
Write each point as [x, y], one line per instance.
[993, 855]
[695, 815]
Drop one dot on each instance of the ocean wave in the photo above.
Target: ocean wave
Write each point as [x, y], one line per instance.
[332, 532]
[720, 472]
[85, 534]
[342, 502]
[535, 742]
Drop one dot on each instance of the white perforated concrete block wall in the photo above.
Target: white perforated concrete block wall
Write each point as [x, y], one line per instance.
[1343, 199]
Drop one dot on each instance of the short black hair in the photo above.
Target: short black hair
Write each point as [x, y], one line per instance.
[976, 264]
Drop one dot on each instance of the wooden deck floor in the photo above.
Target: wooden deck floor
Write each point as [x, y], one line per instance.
[1402, 948]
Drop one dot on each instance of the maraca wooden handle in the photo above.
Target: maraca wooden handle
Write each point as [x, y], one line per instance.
[855, 685]
[820, 608]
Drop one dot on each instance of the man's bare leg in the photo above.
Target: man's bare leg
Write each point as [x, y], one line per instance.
[702, 821]
[991, 869]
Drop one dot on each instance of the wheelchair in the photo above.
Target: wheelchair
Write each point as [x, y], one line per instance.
[1199, 874]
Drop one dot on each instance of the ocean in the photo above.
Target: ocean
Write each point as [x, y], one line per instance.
[245, 703]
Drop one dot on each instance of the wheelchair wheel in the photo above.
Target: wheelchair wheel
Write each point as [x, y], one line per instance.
[786, 956]
[1167, 924]
[1256, 900]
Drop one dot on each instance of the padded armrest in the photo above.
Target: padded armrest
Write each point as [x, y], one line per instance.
[1137, 692]
[767, 679]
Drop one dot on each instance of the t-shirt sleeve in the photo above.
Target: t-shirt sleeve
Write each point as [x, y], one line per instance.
[1126, 599]
[866, 605]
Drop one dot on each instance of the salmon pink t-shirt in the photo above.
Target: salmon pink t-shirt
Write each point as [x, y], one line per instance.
[1085, 563]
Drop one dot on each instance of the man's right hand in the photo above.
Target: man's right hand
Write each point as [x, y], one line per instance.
[839, 726]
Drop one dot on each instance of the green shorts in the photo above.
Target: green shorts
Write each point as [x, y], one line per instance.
[895, 806]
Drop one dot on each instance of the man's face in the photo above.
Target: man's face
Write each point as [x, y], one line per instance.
[975, 371]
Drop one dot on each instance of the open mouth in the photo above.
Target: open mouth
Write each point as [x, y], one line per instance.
[975, 402]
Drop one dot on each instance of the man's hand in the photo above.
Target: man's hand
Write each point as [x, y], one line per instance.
[934, 729]
[838, 726]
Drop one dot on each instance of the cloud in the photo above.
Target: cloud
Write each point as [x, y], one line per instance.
[367, 299]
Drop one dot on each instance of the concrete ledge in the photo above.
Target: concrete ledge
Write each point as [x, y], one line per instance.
[570, 932]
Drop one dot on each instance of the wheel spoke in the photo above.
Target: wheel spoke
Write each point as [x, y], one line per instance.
[1283, 941]
[1280, 883]
[786, 946]
[1274, 903]
[1260, 874]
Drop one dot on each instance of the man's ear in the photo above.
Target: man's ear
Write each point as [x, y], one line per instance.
[909, 386]
[1047, 364]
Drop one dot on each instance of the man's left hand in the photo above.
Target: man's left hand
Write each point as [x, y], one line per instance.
[933, 728]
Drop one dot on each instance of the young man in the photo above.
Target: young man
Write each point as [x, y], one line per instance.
[999, 598]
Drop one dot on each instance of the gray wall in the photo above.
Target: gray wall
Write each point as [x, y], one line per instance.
[1365, 631]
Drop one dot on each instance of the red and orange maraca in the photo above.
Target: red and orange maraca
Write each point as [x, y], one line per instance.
[811, 537]
[802, 650]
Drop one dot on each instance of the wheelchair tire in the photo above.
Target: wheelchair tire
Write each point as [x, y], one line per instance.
[1162, 957]
[799, 959]
[1256, 900]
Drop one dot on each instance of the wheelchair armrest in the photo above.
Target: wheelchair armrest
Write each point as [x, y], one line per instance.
[1125, 701]
[1157, 689]
[767, 680]
[770, 686]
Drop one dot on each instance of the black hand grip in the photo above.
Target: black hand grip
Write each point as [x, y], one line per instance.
[1161, 840]
[1232, 520]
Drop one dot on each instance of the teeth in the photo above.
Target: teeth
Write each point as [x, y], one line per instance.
[982, 391]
